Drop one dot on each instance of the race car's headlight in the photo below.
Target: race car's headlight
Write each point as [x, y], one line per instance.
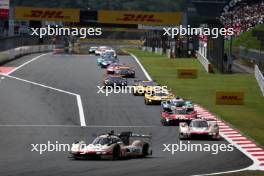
[104, 153]
[98, 153]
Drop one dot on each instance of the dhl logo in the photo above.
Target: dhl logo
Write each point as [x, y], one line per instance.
[46, 14]
[230, 98]
[138, 17]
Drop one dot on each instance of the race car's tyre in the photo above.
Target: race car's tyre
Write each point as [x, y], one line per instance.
[181, 136]
[163, 122]
[147, 102]
[116, 152]
[135, 93]
[145, 150]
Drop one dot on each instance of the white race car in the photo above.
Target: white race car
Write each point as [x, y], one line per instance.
[199, 128]
[101, 49]
[111, 146]
[92, 49]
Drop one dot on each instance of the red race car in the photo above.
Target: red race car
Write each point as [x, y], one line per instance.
[115, 66]
[178, 114]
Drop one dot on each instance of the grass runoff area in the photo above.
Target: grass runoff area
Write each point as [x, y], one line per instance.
[246, 39]
[248, 118]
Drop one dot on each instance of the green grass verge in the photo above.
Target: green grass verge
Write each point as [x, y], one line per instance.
[246, 39]
[249, 118]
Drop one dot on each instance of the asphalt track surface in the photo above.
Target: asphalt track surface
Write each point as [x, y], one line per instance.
[32, 114]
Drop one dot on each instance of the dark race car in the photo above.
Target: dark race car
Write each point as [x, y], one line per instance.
[114, 80]
[107, 61]
[125, 72]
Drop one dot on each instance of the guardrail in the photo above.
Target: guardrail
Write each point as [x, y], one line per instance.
[8, 55]
[8, 43]
[254, 55]
[158, 51]
[206, 64]
[260, 79]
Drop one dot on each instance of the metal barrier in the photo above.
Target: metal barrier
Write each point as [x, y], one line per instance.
[251, 54]
[260, 79]
[158, 51]
[8, 55]
[8, 43]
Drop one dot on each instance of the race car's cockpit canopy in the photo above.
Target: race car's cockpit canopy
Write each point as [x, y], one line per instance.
[199, 124]
[105, 140]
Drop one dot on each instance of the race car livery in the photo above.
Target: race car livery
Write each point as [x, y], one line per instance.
[113, 146]
[101, 49]
[107, 61]
[157, 96]
[114, 80]
[92, 49]
[175, 115]
[199, 128]
[176, 103]
[141, 87]
[125, 72]
[115, 66]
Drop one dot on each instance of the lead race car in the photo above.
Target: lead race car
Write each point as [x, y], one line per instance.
[199, 128]
[113, 146]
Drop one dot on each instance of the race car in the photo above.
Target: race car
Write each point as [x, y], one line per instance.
[115, 66]
[100, 50]
[113, 146]
[157, 96]
[125, 72]
[141, 87]
[107, 61]
[114, 80]
[92, 49]
[174, 115]
[199, 128]
[175, 103]
[110, 52]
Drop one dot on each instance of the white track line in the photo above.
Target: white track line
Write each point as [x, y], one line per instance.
[26, 63]
[78, 97]
[141, 66]
[256, 162]
[81, 113]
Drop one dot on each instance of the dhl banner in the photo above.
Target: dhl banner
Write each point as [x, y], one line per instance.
[139, 17]
[47, 14]
[229, 98]
[187, 73]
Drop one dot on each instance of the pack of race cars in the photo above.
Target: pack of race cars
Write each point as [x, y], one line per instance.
[174, 111]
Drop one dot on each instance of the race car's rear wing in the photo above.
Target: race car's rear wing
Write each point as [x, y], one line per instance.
[125, 136]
